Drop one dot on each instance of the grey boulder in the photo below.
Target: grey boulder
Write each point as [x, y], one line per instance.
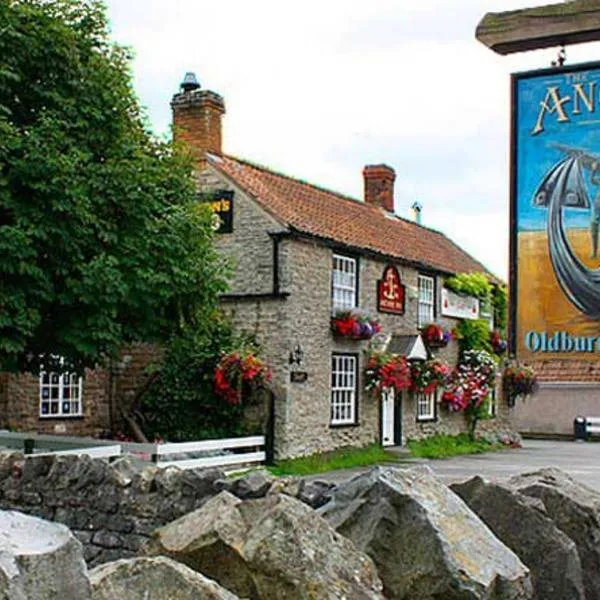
[522, 523]
[575, 510]
[426, 543]
[254, 484]
[156, 578]
[40, 560]
[268, 549]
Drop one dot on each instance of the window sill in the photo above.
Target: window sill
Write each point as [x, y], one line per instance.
[427, 419]
[61, 417]
[343, 425]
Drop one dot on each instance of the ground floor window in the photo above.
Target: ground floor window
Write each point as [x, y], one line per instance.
[426, 406]
[60, 395]
[344, 369]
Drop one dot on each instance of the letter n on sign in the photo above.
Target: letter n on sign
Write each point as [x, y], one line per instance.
[390, 292]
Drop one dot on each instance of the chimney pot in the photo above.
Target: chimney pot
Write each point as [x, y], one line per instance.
[379, 186]
[190, 82]
[197, 118]
[417, 208]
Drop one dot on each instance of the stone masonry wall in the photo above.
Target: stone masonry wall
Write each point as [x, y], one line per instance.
[249, 247]
[111, 509]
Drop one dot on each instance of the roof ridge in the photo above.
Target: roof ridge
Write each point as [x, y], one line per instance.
[257, 174]
[321, 188]
[316, 186]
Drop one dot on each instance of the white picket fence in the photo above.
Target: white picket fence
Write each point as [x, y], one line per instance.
[246, 451]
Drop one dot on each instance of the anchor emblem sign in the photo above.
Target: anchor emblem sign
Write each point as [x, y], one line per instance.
[390, 292]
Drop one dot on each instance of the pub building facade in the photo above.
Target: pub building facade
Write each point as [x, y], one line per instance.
[300, 254]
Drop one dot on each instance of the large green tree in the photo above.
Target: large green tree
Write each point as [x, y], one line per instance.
[102, 241]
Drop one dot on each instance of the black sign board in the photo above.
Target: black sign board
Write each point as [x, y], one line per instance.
[298, 376]
[221, 203]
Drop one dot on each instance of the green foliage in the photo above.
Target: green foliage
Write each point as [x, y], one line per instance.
[473, 335]
[444, 446]
[102, 241]
[343, 458]
[500, 305]
[181, 404]
[478, 285]
[470, 284]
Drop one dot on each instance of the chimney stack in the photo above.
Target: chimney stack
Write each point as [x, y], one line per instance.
[197, 118]
[379, 186]
[417, 208]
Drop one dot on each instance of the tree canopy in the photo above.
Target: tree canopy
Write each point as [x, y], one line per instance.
[102, 240]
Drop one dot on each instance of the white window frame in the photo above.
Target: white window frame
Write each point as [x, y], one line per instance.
[69, 388]
[426, 300]
[344, 379]
[344, 282]
[426, 406]
[492, 403]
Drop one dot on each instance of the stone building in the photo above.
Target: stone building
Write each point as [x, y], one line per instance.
[300, 253]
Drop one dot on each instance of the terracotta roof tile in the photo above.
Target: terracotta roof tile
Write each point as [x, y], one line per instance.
[319, 212]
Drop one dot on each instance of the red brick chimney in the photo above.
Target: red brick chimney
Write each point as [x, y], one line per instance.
[379, 186]
[197, 117]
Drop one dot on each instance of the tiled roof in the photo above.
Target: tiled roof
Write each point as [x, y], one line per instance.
[567, 370]
[319, 212]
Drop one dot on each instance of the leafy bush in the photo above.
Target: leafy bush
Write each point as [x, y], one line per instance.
[473, 335]
[470, 284]
[181, 404]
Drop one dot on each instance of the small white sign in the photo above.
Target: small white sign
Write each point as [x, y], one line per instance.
[459, 307]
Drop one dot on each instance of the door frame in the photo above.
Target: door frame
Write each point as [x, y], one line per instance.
[397, 411]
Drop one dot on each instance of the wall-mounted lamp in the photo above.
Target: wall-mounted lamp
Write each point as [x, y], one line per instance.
[296, 355]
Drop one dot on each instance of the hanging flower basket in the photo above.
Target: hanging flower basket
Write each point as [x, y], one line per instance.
[428, 375]
[434, 336]
[387, 372]
[498, 344]
[354, 325]
[518, 380]
[236, 371]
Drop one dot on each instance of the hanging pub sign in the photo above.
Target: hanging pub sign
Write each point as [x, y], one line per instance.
[390, 292]
[459, 307]
[221, 204]
[555, 213]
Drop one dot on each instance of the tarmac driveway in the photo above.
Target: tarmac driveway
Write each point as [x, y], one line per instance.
[581, 460]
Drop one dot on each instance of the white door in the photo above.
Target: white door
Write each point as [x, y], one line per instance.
[387, 418]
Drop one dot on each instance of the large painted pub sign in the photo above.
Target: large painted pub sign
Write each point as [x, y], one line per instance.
[555, 212]
[390, 292]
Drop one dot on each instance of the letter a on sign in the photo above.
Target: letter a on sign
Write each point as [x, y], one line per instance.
[390, 292]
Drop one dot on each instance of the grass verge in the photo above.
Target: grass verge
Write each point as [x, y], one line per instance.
[444, 446]
[344, 458]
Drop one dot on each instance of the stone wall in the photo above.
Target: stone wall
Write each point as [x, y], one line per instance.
[110, 508]
[249, 246]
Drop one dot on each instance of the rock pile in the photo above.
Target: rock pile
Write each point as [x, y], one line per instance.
[552, 522]
[389, 533]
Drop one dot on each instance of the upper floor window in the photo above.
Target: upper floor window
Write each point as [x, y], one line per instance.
[60, 395]
[344, 282]
[426, 313]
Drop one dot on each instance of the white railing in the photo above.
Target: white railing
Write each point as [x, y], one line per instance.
[185, 455]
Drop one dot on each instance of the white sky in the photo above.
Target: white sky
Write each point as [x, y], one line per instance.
[319, 88]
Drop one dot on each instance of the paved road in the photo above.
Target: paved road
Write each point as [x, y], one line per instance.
[581, 460]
